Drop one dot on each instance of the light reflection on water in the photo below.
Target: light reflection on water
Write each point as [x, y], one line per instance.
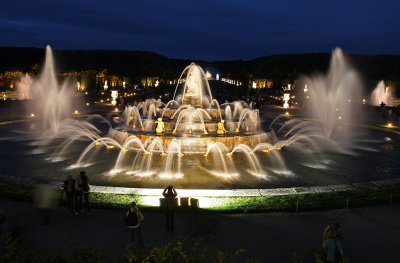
[23, 159]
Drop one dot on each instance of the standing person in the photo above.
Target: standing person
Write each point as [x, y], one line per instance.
[169, 194]
[2, 218]
[133, 219]
[85, 191]
[45, 198]
[78, 195]
[330, 230]
[69, 189]
[331, 244]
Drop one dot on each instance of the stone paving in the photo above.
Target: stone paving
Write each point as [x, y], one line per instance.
[372, 234]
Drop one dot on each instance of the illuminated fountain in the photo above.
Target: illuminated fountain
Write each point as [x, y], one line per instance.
[381, 94]
[114, 96]
[286, 98]
[187, 125]
[193, 141]
[52, 102]
[331, 97]
[193, 117]
[24, 87]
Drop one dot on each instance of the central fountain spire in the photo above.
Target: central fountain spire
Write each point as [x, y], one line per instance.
[192, 93]
[196, 90]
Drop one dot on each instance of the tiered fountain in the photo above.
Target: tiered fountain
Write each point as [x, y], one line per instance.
[193, 123]
[194, 118]
[195, 142]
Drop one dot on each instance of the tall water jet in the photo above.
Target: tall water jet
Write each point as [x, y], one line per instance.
[52, 102]
[333, 97]
[198, 155]
[24, 87]
[196, 90]
[381, 94]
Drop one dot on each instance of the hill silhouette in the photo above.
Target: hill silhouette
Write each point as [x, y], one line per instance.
[138, 64]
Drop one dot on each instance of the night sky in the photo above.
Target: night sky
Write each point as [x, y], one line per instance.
[209, 30]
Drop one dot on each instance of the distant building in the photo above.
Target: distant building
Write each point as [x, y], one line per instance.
[264, 83]
[8, 79]
[148, 82]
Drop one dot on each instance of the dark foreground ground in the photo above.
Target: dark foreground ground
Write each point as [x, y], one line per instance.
[372, 234]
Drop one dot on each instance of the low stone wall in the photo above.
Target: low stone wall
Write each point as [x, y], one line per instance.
[247, 192]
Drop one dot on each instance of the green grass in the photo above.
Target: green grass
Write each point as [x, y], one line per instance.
[24, 191]
[309, 202]
[16, 190]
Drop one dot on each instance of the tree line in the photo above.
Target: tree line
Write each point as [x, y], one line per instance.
[137, 64]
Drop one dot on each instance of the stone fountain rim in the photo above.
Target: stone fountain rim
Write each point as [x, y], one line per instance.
[253, 192]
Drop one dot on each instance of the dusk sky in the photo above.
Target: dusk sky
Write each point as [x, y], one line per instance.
[209, 30]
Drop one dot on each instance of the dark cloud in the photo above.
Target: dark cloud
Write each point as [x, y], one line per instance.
[204, 29]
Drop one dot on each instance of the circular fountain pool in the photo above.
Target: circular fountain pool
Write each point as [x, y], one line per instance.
[377, 157]
[193, 142]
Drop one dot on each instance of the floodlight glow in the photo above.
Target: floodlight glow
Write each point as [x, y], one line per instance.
[286, 98]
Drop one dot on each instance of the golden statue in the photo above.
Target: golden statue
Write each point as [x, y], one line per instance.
[160, 126]
[221, 128]
[132, 119]
[192, 88]
[192, 92]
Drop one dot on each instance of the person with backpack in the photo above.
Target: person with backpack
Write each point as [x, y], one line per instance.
[169, 194]
[133, 219]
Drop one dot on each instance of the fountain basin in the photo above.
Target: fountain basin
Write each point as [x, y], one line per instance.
[197, 141]
[24, 160]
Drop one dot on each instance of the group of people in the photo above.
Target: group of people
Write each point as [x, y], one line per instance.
[77, 191]
[133, 217]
